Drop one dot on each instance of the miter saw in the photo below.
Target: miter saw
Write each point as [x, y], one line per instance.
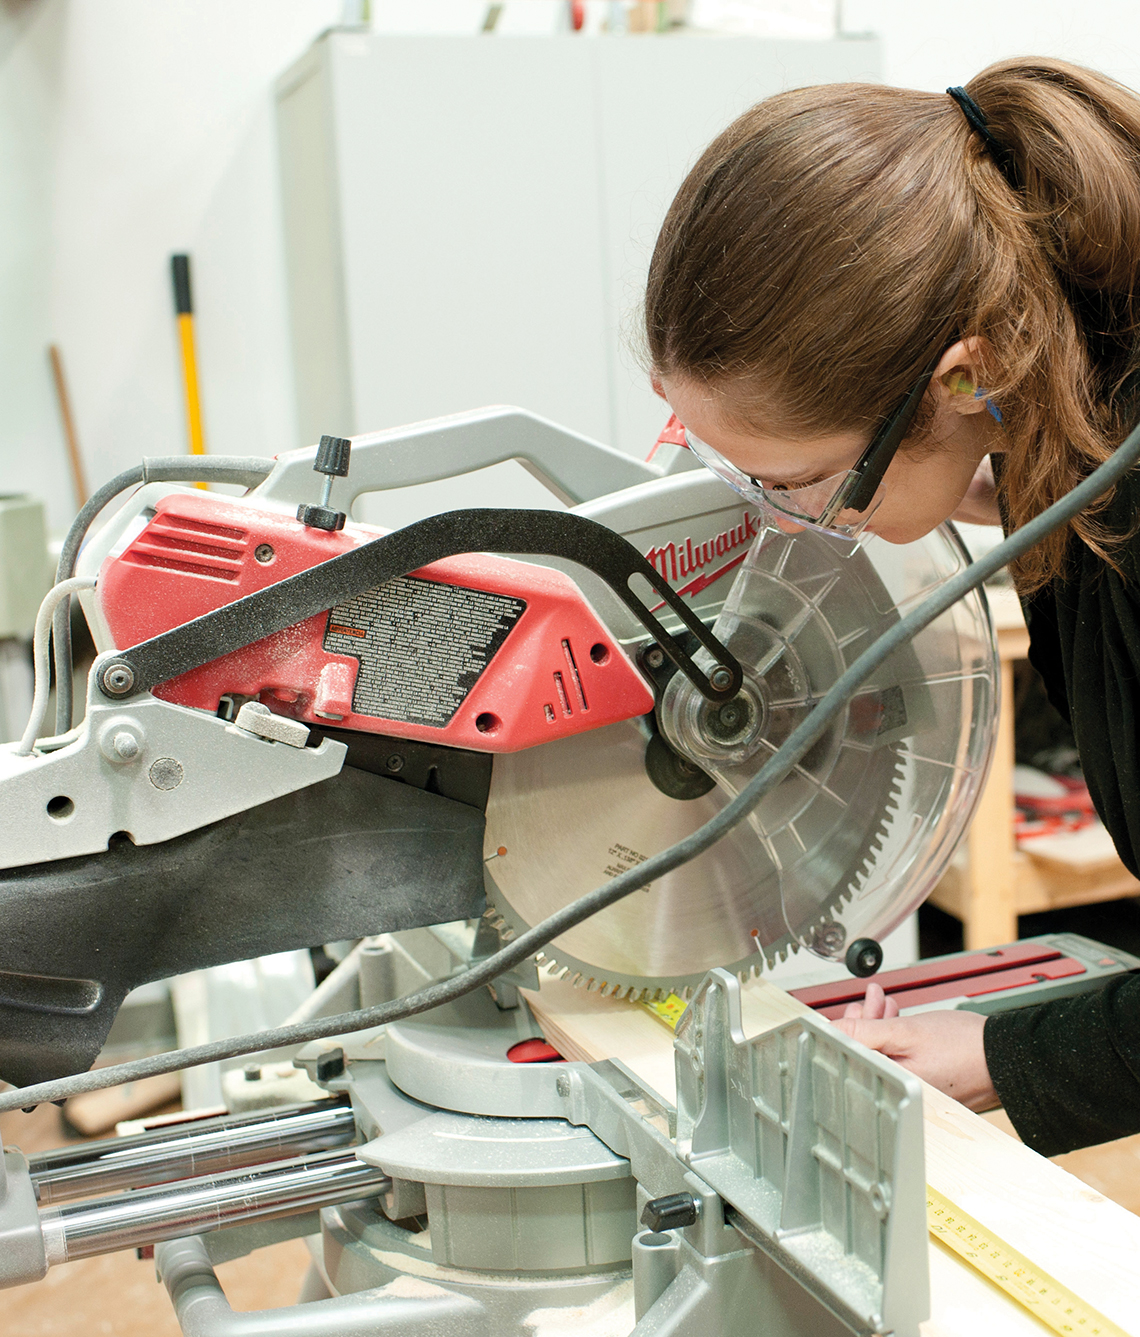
[299, 729]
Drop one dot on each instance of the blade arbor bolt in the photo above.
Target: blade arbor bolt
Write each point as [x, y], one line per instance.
[730, 721]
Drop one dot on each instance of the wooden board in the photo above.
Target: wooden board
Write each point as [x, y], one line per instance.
[1073, 1232]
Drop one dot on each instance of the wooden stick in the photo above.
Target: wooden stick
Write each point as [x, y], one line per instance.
[70, 436]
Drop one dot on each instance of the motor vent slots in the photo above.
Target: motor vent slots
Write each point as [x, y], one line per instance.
[195, 547]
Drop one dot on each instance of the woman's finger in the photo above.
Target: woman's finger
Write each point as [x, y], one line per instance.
[874, 1004]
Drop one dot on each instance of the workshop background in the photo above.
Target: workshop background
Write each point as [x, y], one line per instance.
[131, 131]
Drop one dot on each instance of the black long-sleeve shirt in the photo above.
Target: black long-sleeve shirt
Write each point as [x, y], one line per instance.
[1068, 1072]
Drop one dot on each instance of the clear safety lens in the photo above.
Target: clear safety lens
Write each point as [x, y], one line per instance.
[817, 505]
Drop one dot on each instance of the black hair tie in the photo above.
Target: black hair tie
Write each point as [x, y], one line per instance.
[976, 119]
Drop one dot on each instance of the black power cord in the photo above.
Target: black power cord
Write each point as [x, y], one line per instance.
[527, 944]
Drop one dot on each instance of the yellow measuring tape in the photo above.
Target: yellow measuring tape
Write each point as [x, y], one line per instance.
[1036, 1291]
[1044, 1297]
[667, 1009]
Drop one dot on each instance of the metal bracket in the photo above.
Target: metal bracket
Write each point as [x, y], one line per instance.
[146, 768]
[816, 1145]
[22, 1257]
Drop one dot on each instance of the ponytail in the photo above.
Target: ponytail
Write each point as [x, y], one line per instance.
[1074, 136]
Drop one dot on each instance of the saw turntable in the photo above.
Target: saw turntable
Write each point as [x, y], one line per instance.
[444, 740]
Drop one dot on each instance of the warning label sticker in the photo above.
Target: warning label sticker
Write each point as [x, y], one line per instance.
[422, 645]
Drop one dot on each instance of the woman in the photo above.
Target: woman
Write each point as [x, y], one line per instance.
[868, 304]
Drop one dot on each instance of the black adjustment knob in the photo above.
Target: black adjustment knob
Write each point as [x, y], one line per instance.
[332, 456]
[864, 957]
[671, 1212]
[321, 517]
[332, 461]
[330, 1064]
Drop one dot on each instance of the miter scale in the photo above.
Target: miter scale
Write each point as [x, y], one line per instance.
[482, 736]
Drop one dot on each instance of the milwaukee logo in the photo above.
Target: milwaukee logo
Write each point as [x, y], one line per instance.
[683, 559]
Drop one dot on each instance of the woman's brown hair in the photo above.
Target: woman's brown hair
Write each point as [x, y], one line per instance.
[834, 239]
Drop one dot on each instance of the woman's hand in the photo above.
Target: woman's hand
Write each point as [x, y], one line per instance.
[943, 1048]
[980, 504]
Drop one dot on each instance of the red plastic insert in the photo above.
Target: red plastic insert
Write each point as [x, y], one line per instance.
[534, 1051]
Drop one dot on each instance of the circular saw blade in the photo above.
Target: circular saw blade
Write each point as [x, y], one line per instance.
[564, 818]
[849, 841]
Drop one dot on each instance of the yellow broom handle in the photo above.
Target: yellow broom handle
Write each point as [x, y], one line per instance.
[184, 309]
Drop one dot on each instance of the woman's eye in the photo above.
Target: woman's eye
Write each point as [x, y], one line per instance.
[790, 487]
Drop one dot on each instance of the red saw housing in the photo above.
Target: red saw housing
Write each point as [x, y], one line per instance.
[475, 651]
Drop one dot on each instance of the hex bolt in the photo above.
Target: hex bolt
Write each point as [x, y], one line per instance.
[671, 1212]
[828, 938]
[721, 678]
[118, 679]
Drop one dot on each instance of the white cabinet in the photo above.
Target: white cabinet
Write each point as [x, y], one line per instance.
[469, 219]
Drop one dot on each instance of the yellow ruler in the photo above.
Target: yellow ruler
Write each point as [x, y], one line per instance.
[1023, 1281]
[1035, 1290]
[667, 1009]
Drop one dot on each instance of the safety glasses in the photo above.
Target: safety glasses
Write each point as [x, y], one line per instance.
[840, 504]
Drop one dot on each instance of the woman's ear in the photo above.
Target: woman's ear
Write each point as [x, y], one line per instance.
[956, 379]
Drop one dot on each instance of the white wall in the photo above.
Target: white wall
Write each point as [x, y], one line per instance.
[130, 130]
[29, 76]
[934, 46]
